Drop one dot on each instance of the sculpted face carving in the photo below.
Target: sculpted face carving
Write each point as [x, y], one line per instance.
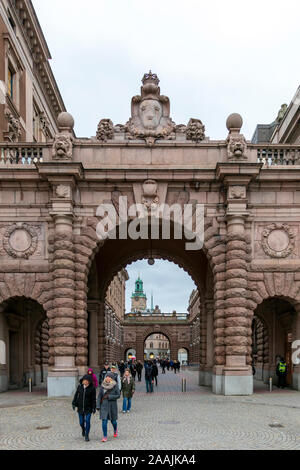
[150, 112]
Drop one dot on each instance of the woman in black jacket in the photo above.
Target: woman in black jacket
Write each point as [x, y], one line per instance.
[85, 402]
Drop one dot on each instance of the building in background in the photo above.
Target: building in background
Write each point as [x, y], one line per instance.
[30, 100]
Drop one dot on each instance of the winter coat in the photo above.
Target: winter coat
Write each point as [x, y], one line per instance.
[128, 388]
[154, 370]
[102, 374]
[94, 377]
[108, 408]
[117, 379]
[85, 399]
[148, 373]
[139, 367]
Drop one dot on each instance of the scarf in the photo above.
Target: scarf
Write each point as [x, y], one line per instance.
[128, 379]
[108, 386]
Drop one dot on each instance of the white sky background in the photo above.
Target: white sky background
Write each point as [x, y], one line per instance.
[213, 58]
[170, 284]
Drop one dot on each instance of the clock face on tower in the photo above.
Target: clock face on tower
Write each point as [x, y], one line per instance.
[136, 299]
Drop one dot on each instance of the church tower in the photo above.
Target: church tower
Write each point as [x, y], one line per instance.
[138, 298]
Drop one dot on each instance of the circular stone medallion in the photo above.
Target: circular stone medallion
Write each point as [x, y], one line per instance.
[278, 240]
[20, 240]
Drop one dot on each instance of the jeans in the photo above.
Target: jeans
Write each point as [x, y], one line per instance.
[149, 385]
[104, 426]
[85, 422]
[139, 376]
[126, 404]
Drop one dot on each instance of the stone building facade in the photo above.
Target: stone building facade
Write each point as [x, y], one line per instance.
[57, 264]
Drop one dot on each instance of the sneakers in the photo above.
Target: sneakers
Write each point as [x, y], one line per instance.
[104, 439]
[116, 433]
[128, 411]
[124, 411]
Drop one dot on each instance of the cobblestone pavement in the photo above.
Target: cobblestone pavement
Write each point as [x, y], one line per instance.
[167, 419]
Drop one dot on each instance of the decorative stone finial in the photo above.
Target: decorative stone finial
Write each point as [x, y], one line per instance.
[65, 121]
[234, 122]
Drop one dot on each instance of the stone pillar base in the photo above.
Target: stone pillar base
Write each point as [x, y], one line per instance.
[205, 378]
[3, 383]
[237, 383]
[62, 383]
[296, 381]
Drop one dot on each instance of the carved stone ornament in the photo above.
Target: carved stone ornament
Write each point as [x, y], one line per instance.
[14, 127]
[20, 240]
[195, 130]
[237, 192]
[150, 197]
[150, 113]
[62, 147]
[105, 130]
[278, 240]
[63, 192]
[236, 147]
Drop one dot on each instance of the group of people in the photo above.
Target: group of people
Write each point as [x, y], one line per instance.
[111, 385]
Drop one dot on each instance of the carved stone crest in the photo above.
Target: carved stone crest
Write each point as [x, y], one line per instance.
[236, 147]
[278, 240]
[150, 197]
[14, 127]
[62, 147]
[105, 130]
[237, 192]
[150, 113]
[20, 240]
[195, 130]
[62, 191]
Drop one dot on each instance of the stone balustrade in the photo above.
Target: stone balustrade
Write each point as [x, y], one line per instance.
[272, 155]
[21, 154]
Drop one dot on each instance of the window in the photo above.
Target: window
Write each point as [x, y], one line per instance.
[10, 82]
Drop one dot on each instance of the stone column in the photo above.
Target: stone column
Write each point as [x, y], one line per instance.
[296, 337]
[237, 376]
[62, 378]
[102, 350]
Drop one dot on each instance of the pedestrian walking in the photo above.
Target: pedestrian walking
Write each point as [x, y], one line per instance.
[107, 404]
[155, 372]
[85, 402]
[117, 378]
[139, 369]
[128, 389]
[133, 370]
[281, 372]
[122, 368]
[178, 366]
[94, 377]
[104, 371]
[149, 377]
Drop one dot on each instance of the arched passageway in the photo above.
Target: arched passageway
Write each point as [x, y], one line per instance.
[183, 356]
[24, 334]
[157, 346]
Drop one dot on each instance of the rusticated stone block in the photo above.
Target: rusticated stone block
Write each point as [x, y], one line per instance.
[219, 323]
[236, 245]
[212, 242]
[80, 305]
[83, 250]
[67, 322]
[81, 360]
[63, 351]
[220, 259]
[236, 283]
[85, 241]
[219, 295]
[90, 232]
[236, 350]
[64, 293]
[64, 273]
[217, 250]
[219, 340]
[80, 341]
[64, 283]
[236, 264]
[236, 254]
[81, 332]
[65, 312]
[235, 292]
[63, 264]
[236, 302]
[236, 312]
[220, 285]
[235, 273]
[235, 236]
[63, 245]
[63, 302]
[236, 322]
[81, 315]
[80, 295]
[79, 267]
[237, 331]
[219, 313]
[62, 332]
[235, 341]
[64, 254]
[210, 232]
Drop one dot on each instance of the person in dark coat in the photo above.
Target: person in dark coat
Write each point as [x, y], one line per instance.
[132, 368]
[85, 402]
[139, 369]
[128, 388]
[107, 404]
[149, 377]
[122, 368]
[104, 372]
[155, 372]
[163, 366]
[281, 372]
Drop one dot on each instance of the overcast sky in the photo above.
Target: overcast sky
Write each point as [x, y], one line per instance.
[170, 284]
[213, 58]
